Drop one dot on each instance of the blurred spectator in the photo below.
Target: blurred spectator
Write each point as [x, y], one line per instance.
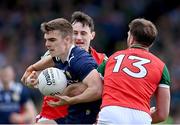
[176, 115]
[15, 104]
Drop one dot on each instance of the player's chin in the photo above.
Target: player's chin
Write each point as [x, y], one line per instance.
[81, 45]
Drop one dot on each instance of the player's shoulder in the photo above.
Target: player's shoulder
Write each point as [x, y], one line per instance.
[77, 51]
[97, 54]
[93, 51]
[79, 56]
[155, 59]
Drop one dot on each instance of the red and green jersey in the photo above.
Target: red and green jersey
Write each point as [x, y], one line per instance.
[99, 57]
[62, 111]
[131, 77]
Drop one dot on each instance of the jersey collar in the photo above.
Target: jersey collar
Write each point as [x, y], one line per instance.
[69, 52]
[139, 46]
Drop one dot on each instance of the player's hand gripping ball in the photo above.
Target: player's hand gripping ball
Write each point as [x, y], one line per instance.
[52, 81]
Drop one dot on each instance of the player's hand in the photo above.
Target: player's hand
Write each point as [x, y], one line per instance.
[28, 71]
[63, 100]
[152, 110]
[32, 80]
[16, 118]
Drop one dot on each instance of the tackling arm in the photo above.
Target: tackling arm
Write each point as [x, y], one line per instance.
[75, 89]
[93, 91]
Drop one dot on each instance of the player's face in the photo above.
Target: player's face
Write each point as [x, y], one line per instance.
[7, 74]
[82, 35]
[56, 45]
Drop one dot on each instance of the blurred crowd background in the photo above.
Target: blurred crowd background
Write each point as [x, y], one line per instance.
[21, 41]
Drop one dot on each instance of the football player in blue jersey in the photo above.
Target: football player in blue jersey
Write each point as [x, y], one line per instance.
[16, 106]
[83, 34]
[80, 67]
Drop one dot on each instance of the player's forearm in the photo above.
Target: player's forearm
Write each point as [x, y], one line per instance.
[158, 117]
[75, 89]
[93, 91]
[162, 105]
[89, 95]
[43, 63]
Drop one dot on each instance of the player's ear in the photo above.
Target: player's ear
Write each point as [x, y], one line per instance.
[93, 35]
[131, 40]
[68, 38]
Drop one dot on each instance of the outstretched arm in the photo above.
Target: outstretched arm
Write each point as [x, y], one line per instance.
[38, 66]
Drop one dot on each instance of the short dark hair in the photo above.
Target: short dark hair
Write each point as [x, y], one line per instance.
[83, 18]
[144, 31]
[60, 24]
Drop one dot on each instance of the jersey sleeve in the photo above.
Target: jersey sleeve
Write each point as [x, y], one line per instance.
[165, 79]
[101, 67]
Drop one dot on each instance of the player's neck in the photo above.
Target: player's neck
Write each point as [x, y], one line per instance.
[139, 46]
[65, 57]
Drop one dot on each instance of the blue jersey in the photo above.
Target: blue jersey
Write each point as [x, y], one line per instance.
[78, 65]
[12, 100]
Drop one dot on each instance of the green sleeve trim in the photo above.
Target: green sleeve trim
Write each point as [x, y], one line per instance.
[101, 67]
[165, 79]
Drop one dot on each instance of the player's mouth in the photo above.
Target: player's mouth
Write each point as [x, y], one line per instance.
[79, 42]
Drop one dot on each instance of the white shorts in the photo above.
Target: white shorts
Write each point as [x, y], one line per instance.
[120, 115]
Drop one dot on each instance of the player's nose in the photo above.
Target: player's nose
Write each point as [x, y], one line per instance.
[47, 44]
[78, 36]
